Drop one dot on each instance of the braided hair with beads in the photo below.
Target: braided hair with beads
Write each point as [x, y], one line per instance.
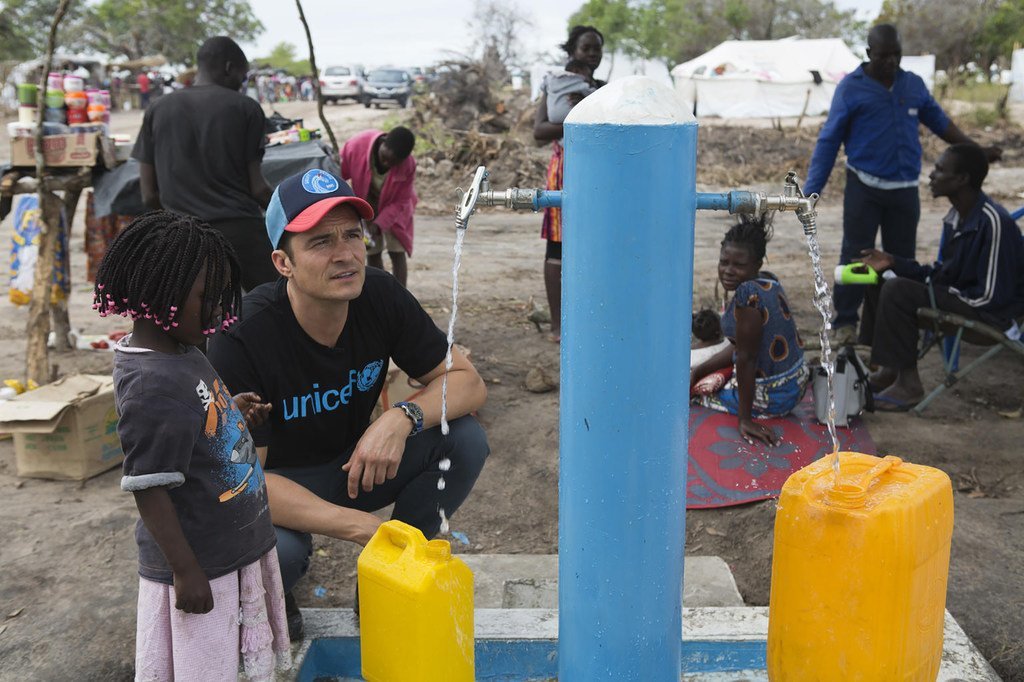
[151, 266]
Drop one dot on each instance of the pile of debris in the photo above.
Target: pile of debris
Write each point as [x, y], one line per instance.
[468, 119]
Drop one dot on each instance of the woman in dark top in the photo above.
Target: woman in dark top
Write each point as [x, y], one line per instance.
[585, 44]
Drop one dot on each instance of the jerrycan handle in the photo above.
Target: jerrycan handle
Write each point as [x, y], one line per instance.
[401, 535]
[851, 495]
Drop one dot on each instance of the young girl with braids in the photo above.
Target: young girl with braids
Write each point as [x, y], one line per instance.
[769, 373]
[210, 587]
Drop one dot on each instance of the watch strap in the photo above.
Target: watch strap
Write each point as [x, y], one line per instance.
[414, 413]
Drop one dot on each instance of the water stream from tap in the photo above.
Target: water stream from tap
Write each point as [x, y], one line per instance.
[445, 464]
[823, 303]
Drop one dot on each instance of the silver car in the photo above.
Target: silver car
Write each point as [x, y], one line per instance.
[341, 82]
[387, 85]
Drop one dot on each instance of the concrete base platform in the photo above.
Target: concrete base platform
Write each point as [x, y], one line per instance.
[720, 644]
[530, 581]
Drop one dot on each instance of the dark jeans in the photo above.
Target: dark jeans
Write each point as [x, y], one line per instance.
[413, 490]
[248, 237]
[890, 319]
[865, 209]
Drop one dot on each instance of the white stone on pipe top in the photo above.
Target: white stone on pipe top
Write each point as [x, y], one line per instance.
[634, 100]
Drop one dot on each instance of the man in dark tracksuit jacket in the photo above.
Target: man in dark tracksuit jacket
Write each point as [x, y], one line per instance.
[980, 275]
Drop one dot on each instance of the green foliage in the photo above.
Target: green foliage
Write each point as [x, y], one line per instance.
[957, 33]
[282, 57]
[977, 93]
[173, 28]
[24, 25]
[1003, 29]
[614, 18]
[678, 30]
[984, 117]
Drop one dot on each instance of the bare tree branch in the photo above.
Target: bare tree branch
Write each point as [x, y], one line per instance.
[316, 79]
[37, 355]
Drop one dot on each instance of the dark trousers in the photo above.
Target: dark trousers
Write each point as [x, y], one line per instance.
[865, 210]
[248, 237]
[413, 490]
[890, 319]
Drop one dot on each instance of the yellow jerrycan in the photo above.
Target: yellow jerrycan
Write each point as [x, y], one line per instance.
[859, 572]
[415, 609]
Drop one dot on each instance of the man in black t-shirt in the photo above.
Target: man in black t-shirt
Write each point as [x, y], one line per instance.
[199, 152]
[316, 345]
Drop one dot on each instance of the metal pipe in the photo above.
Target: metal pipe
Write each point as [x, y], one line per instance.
[625, 321]
[516, 198]
[735, 201]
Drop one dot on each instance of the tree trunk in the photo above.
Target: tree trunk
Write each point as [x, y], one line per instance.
[38, 361]
[316, 80]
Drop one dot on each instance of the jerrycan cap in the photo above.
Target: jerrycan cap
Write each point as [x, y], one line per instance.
[851, 495]
[439, 550]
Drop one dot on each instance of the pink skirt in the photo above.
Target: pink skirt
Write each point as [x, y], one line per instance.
[247, 625]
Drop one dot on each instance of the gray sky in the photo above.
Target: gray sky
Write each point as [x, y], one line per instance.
[410, 32]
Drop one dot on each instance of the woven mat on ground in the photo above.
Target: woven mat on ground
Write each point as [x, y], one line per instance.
[725, 470]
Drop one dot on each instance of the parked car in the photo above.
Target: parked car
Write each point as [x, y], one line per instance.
[387, 85]
[419, 79]
[341, 82]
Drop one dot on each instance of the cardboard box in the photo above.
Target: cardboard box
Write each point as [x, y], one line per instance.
[73, 149]
[64, 430]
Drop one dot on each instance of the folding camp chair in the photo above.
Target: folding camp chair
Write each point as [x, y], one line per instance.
[948, 330]
[956, 328]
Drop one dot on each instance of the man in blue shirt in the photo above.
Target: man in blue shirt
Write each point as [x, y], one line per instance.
[980, 276]
[875, 114]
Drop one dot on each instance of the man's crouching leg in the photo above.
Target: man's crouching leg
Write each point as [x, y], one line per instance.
[464, 451]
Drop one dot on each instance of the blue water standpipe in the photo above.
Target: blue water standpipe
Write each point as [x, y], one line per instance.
[629, 205]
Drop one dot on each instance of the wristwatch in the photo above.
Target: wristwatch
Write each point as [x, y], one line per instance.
[415, 415]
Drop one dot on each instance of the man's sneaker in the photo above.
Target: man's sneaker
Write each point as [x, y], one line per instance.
[294, 616]
[846, 336]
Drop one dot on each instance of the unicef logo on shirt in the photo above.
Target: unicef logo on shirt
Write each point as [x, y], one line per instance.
[319, 182]
[368, 377]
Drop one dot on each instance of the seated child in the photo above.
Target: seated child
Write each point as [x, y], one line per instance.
[769, 372]
[567, 88]
[707, 336]
[210, 592]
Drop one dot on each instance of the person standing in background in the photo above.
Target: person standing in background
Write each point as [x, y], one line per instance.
[875, 115]
[143, 82]
[199, 153]
[585, 44]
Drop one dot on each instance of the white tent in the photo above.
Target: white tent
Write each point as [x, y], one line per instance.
[923, 65]
[1017, 76]
[765, 78]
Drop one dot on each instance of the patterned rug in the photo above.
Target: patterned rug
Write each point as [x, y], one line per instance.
[725, 470]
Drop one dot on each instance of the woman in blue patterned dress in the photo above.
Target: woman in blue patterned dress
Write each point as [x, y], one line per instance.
[769, 372]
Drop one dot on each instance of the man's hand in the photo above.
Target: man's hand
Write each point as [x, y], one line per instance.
[750, 430]
[879, 261]
[378, 453]
[192, 591]
[252, 408]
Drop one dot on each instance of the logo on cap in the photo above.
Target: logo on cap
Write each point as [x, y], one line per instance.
[318, 182]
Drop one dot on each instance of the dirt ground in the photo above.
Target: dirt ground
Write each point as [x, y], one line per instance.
[67, 555]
